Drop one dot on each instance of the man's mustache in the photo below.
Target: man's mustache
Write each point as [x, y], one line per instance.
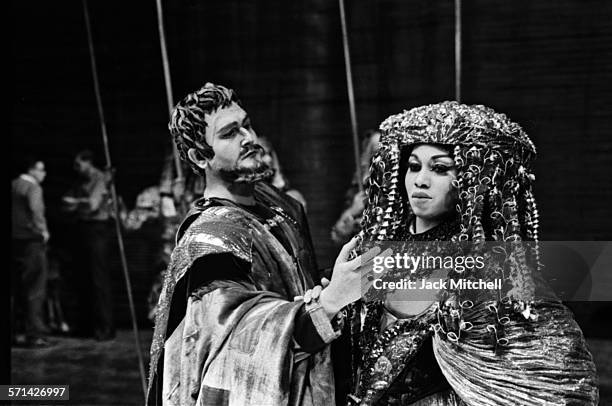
[247, 149]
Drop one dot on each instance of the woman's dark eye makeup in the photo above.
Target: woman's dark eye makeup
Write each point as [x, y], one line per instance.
[441, 168]
[414, 166]
[437, 167]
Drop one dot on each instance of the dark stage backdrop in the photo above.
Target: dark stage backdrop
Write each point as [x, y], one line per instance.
[546, 64]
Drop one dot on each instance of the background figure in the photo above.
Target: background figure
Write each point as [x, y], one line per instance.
[147, 208]
[147, 218]
[175, 199]
[55, 312]
[349, 222]
[178, 194]
[89, 201]
[278, 179]
[29, 239]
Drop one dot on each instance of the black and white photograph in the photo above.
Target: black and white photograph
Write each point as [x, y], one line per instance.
[304, 203]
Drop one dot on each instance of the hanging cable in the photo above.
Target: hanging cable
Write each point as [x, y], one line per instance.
[109, 167]
[351, 96]
[458, 50]
[168, 82]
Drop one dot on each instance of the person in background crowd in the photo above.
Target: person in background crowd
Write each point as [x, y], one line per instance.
[29, 238]
[278, 179]
[89, 202]
[349, 222]
[169, 202]
[147, 215]
[55, 312]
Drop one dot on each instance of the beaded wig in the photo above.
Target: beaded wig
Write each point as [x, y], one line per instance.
[493, 158]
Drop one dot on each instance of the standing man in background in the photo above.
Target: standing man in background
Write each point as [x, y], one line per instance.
[29, 239]
[90, 203]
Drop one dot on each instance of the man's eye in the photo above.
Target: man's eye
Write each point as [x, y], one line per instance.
[414, 167]
[230, 134]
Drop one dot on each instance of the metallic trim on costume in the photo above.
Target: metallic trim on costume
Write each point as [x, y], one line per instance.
[321, 322]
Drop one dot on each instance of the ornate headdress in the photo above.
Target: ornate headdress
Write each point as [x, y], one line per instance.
[492, 156]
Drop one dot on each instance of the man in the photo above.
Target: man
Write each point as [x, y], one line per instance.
[89, 202]
[29, 238]
[228, 331]
[349, 222]
[278, 178]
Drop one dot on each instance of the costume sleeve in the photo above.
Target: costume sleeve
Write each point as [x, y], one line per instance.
[235, 347]
[37, 205]
[313, 330]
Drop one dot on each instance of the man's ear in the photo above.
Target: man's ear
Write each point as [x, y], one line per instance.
[196, 157]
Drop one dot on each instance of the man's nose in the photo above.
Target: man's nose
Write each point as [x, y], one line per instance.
[248, 136]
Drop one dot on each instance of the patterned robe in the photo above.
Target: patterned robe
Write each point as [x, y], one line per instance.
[231, 341]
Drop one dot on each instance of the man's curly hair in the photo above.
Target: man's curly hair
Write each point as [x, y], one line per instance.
[188, 125]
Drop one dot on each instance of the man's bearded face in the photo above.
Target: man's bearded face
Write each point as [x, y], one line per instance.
[249, 168]
[237, 157]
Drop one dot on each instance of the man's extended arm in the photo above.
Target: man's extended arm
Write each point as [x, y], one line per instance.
[312, 331]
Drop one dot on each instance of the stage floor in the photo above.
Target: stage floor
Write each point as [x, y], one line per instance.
[106, 373]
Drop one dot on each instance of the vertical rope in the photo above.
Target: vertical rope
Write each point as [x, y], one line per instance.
[124, 266]
[168, 82]
[351, 96]
[458, 50]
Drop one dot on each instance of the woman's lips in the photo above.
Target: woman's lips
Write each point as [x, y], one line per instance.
[420, 195]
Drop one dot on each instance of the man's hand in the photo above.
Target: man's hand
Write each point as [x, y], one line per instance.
[46, 236]
[314, 293]
[348, 278]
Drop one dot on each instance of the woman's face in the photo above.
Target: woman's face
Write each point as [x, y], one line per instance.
[431, 171]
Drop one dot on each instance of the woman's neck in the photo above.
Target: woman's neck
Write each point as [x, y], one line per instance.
[422, 225]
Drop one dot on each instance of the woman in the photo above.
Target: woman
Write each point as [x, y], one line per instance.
[458, 173]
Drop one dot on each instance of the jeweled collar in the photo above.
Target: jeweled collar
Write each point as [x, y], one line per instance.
[442, 232]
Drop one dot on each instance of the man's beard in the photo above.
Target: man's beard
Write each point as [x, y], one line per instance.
[238, 174]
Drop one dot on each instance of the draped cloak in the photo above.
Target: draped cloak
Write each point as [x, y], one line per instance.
[231, 341]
